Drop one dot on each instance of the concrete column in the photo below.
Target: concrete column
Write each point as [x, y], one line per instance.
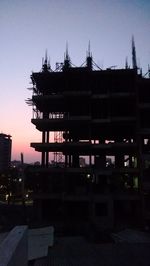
[119, 158]
[100, 160]
[119, 161]
[43, 152]
[47, 153]
[75, 160]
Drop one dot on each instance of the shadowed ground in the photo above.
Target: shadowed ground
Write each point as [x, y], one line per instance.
[75, 251]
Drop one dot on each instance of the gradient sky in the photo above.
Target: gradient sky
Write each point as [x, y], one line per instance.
[29, 27]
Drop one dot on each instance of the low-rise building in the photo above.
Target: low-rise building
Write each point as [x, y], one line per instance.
[5, 151]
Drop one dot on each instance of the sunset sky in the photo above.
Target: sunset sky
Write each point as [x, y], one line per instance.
[29, 27]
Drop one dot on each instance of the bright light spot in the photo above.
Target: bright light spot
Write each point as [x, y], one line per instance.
[7, 196]
[88, 176]
[20, 179]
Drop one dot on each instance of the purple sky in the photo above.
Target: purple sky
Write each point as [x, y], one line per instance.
[29, 27]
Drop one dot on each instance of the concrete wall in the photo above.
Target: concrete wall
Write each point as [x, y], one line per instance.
[14, 248]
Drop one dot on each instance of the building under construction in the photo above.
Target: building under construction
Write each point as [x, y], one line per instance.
[99, 117]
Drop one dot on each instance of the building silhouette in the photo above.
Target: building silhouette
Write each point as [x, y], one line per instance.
[102, 116]
[5, 151]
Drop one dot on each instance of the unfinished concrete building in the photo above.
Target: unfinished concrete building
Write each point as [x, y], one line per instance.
[99, 117]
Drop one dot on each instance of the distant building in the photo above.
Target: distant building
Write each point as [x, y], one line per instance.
[5, 151]
[15, 163]
[99, 114]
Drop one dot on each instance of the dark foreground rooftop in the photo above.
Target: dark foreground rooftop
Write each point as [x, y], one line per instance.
[76, 251]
